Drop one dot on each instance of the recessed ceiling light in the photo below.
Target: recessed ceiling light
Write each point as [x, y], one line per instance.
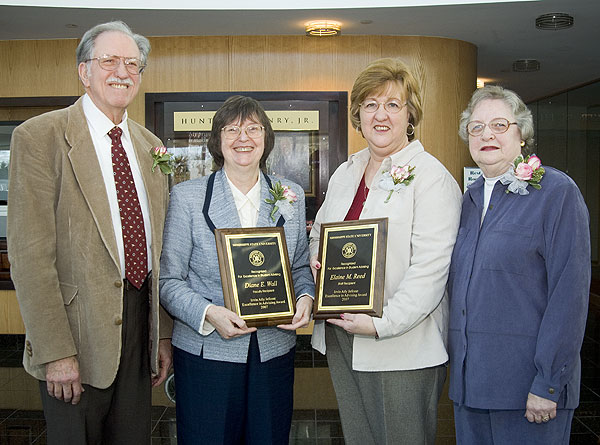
[366, 22]
[323, 28]
[554, 21]
[526, 65]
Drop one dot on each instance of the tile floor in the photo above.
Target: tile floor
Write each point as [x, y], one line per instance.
[22, 421]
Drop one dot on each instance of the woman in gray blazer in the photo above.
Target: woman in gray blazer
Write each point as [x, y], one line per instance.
[234, 383]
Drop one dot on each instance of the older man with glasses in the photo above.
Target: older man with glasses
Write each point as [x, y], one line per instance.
[85, 222]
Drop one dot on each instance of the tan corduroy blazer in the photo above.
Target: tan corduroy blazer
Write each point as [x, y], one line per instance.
[62, 247]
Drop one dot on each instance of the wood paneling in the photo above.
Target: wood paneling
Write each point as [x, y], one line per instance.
[10, 316]
[38, 68]
[447, 69]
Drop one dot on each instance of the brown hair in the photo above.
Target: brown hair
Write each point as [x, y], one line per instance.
[239, 108]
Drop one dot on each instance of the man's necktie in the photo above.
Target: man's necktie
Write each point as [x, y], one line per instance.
[132, 222]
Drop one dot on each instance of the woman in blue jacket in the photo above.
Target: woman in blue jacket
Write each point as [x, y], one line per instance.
[234, 383]
[518, 285]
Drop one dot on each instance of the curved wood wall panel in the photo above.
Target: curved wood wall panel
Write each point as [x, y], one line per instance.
[447, 68]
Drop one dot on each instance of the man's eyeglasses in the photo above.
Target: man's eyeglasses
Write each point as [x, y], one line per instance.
[233, 131]
[111, 63]
[498, 126]
[393, 106]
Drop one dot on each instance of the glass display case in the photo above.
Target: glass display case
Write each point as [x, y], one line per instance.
[310, 135]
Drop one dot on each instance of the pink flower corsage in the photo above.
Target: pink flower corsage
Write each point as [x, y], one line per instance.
[395, 178]
[528, 171]
[161, 158]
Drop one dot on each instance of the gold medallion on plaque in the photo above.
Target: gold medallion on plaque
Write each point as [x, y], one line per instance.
[256, 258]
[349, 250]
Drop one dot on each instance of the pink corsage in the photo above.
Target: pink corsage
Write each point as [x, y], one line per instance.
[394, 179]
[528, 171]
[161, 158]
[282, 199]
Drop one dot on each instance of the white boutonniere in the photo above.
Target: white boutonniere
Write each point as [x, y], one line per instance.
[528, 171]
[282, 199]
[396, 178]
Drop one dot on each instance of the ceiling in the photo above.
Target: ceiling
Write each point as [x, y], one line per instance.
[503, 32]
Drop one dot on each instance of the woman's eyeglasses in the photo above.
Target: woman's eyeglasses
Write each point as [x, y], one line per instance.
[498, 126]
[233, 131]
[393, 106]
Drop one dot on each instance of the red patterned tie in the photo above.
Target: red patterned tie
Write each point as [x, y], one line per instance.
[132, 222]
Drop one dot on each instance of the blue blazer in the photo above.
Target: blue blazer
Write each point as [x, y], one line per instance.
[190, 278]
[519, 290]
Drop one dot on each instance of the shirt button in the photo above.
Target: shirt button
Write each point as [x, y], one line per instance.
[118, 321]
[551, 390]
[118, 283]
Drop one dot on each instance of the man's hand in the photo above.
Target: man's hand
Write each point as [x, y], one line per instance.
[165, 360]
[63, 380]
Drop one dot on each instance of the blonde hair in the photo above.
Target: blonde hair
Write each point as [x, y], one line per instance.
[376, 77]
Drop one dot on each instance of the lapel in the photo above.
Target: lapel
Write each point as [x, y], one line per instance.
[223, 212]
[264, 212]
[88, 175]
[475, 193]
[405, 156]
[356, 165]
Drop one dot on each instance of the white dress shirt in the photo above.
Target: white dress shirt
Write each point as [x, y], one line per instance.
[99, 125]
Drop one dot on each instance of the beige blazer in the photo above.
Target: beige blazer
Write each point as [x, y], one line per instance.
[422, 225]
[62, 247]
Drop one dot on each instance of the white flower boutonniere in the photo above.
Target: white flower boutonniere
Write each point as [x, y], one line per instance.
[161, 158]
[394, 179]
[528, 171]
[282, 199]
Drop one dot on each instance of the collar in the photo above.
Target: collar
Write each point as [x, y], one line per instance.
[400, 158]
[253, 196]
[98, 122]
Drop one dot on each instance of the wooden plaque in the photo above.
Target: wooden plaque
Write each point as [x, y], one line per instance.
[256, 275]
[352, 275]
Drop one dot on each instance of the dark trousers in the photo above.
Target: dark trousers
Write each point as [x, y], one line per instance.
[119, 414]
[234, 403]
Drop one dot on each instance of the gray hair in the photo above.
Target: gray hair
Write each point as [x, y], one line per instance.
[513, 101]
[86, 46]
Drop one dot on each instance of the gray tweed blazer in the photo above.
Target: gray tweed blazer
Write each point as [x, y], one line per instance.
[190, 279]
